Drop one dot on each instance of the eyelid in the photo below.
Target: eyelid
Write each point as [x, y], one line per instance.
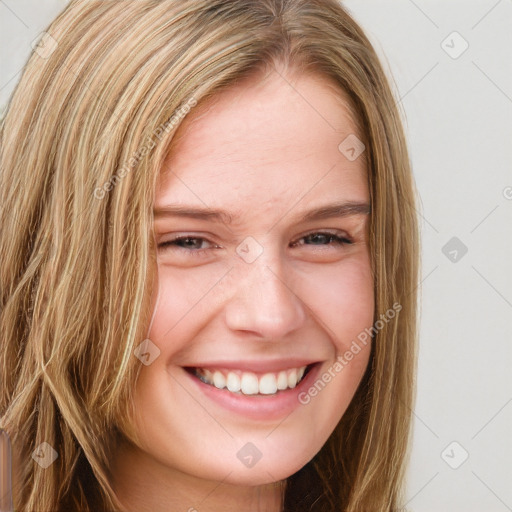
[341, 236]
[168, 243]
[325, 231]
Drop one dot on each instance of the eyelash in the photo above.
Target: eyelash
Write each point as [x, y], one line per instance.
[338, 240]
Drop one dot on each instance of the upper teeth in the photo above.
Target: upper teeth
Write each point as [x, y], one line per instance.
[249, 383]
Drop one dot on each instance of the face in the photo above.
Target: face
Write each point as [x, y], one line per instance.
[257, 307]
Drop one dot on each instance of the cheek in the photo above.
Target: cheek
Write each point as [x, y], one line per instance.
[342, 298]
[180, 298]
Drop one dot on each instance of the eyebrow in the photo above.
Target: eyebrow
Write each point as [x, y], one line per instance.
[327, 211]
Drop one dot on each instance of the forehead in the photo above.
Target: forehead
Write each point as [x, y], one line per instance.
[269, 141]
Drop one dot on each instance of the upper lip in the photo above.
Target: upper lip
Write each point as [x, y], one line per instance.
[256, 366]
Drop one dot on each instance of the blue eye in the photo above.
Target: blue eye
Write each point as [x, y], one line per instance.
[319, 237]
[185, 243]
[194, 244]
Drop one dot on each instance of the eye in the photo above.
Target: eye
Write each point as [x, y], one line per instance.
[324, 238]
[190, 244]
[194, 245]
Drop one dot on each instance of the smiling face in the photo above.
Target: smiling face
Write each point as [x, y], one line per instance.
[271, 292]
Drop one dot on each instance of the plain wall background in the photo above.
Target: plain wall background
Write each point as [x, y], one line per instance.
[457, 106]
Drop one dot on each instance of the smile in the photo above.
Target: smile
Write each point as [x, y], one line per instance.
[250, 383]
[260, 390]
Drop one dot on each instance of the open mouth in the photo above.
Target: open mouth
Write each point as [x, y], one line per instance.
[249, 383]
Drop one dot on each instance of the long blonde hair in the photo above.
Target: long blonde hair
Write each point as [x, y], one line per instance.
[83, 140]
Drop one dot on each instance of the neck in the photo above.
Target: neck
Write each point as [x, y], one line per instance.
[143, 484]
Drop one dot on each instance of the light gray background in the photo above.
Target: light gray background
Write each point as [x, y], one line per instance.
[458, 115]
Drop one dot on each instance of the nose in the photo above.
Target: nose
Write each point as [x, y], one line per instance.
[263, 301]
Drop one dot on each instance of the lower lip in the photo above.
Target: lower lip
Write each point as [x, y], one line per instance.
[258, 407]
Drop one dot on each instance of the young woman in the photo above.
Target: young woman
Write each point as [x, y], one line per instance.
[209, 262]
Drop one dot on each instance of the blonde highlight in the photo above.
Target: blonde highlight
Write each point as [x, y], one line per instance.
[77, 270]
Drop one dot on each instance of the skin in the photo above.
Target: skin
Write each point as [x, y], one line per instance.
[310, 299]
